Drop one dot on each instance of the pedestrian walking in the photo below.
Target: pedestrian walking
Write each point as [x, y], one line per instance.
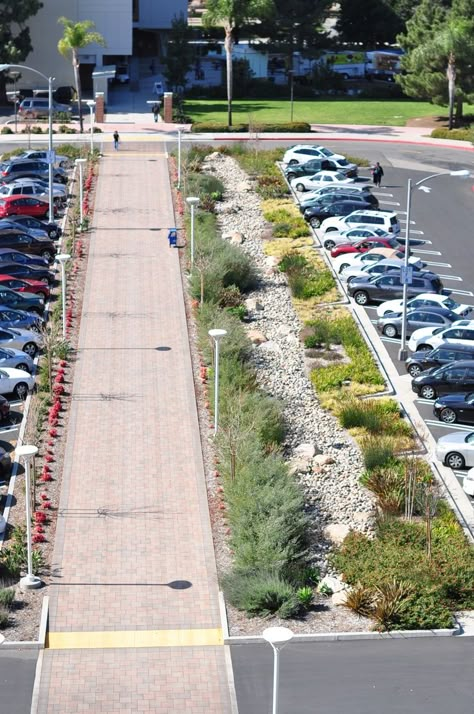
[156, 111]
[116, 139]
[377, 173]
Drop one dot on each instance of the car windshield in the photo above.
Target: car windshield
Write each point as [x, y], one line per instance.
[343, 162]
[338, 176]
[324, 151]
[450, 303]
[392, 242]
[470, 398]
[438, 330]
[470, 438]
[380, 232]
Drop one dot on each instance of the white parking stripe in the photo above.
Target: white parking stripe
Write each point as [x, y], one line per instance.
[13, 427]
[377, 193]
[427, 252]
[389, 339]
[404, 220]
[414, 232]
[462, 292]
[451, 277]
[456, 427]
[439, 265]
[390, 203]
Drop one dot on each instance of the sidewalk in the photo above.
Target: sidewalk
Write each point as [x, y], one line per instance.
[134, 617]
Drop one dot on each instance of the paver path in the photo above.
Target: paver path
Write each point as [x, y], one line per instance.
[133, 513]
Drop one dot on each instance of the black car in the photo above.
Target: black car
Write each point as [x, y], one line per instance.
[10, 223]
[389, 287]
[11, 170]
[451, 378]
[17, 240]
[316, 214]
[28, 272]
[362, 198]
[20, 319]
[455, 407]
[50, 229]
[21, 301]
[421, 360]
[8, 255]
[307, 169]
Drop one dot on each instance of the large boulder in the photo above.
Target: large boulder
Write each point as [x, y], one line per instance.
[306, 451]
[253, 305]
[332, 582]
[323, 460]
[336, 532]
[256, 337]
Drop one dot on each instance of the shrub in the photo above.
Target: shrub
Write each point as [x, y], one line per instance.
[4, 618]
[6, 130]
[261, 594]
[458, 134]
[377, 451]
[230, 297]
[214, 127]
[7, 598]
[359, 599]
[269, 186]
[388, 484]
[389, 602]
[305, 597]
[239, 311]
[423, 611]
[368, 414]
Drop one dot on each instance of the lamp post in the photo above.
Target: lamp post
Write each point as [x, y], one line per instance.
[50, 80]
[180, 129]
[27, 452]
[80, 163]
[14, 74]
[291, 74]
[216, 335]
[277, 637]
[406, 278]
[62, 259]
[192, 201]
[91, 105]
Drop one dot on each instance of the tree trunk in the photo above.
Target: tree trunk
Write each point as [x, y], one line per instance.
[459, 111]
[228, 44]
[77, 80]
[451, 75]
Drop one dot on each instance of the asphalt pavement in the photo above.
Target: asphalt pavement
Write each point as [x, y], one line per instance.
[17, 673]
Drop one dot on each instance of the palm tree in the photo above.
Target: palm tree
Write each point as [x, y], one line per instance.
[76, 36]
[231, 14]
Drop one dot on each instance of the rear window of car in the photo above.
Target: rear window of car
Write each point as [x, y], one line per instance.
[393, 221]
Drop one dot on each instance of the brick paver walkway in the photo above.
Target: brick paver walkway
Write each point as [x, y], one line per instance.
[133, 514]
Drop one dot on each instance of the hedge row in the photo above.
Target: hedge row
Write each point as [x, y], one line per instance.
[284, 127]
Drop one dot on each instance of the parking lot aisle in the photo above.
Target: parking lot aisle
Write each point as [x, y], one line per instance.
[134, 617]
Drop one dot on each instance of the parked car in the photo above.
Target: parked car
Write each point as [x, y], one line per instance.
[16, 359]
[353, 235]
[455, 407]
[20, 318]
[344, 192]
[306, 183]
[428, 300]
[21, 301]
[8, 255]
[309, 196]
[456, 450]
[27, 205]
[391, 325]
[27, 272]
[318, 213]
[30, 224]
[11, 170]
[385, 265]
[386, 220]
[308, 168]
[450, 378]
[364, 245]
[304, 152]
[422, 360]
[365, 290]
[344, 166]
[15, 239]
[36, 107]
[430, 337]
[11, 223]
[15, 381]
[34, 187]
[42, 155]
[38, 287]
[25, 340]
[356, 260]
[4, 415]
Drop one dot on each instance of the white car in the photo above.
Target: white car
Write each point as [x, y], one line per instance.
[352, 235]
[468, 483]
[379, 267]
[461, 332]
[322, 178]
[456, 449]
[31, 189]
[15, 381]
[386, 220]
[348, 260]
[424, 300]
[42, 155]
[24, 340]
[305, 152]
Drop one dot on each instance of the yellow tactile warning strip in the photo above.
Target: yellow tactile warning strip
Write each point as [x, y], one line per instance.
[134, 639]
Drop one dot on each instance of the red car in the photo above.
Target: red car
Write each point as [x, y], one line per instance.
[362, 246]
[21, 285]
[23, 206]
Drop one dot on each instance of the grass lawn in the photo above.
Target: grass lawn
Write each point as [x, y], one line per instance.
[336, 111]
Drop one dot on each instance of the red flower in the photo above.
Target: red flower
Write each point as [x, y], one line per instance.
[38, 538]
[46, 477]
[40, 517]
[46, 505]
[53, 432]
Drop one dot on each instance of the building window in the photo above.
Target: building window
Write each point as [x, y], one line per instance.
[136, 10]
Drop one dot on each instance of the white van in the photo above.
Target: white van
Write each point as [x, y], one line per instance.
[34, 108]
[386, 220]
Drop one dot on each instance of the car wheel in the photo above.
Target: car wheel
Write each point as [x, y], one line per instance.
[21, 390]
[290, 176]
[43, 295]
[35, 310]
[361, 297]
[428, 392]
[414, 370]
[455, 460]
[46, 254]
[30, 348]
[329, 245]
[292, 162]
[448, 416]
[424, 347]
[22, 366]
[315, 222]
[343, 266]
[300, 187]
[330, 230]
[390, 331]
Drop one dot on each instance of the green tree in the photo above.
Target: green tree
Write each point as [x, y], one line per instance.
[77, 35]
[180, 53]
[369, 22]
[232, 15]
[15, 41]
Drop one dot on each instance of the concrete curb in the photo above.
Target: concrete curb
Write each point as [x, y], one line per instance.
[38, 644]
[347, 636]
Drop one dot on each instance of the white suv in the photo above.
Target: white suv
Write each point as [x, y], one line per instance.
[386, 220]
[461, 332]
[304, 152]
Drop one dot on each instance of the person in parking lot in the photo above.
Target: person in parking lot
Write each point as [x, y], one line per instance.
[116, 139]
[377, 173]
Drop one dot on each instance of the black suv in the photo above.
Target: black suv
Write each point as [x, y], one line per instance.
[21, 301]
[339, 193]
[317, 208]
[389, 287]
[25, 271]
[27, 244]
[456, 377]
[307, 169]
[421, 360]
[11, 170]
[317, 213]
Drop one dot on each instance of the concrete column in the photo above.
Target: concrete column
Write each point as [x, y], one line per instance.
[168, 107]
[99, 108]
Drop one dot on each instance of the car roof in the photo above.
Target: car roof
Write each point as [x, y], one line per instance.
[373, 212]
[462, 346]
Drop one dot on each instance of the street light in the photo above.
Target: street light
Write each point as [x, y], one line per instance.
[80, 163]
[216, 335]
[180, 129]
[91, 104]
[62, 259]
[406, 277]
[192, 201]
[27, 452]
[291, 74]
[14, 74]
[278, 637]
[50, 80]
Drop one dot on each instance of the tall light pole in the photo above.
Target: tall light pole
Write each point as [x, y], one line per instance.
[291, 74]
[192, 201]
[50, 80]
[406, 276]
[80, 163]
[91, 105]
[14, 74]
[277, 637]
[27, 452]
[62, 259]
[180, 129]
[216, 335]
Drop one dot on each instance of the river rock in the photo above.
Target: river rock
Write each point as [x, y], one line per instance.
[336, 532]
[256, 337]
